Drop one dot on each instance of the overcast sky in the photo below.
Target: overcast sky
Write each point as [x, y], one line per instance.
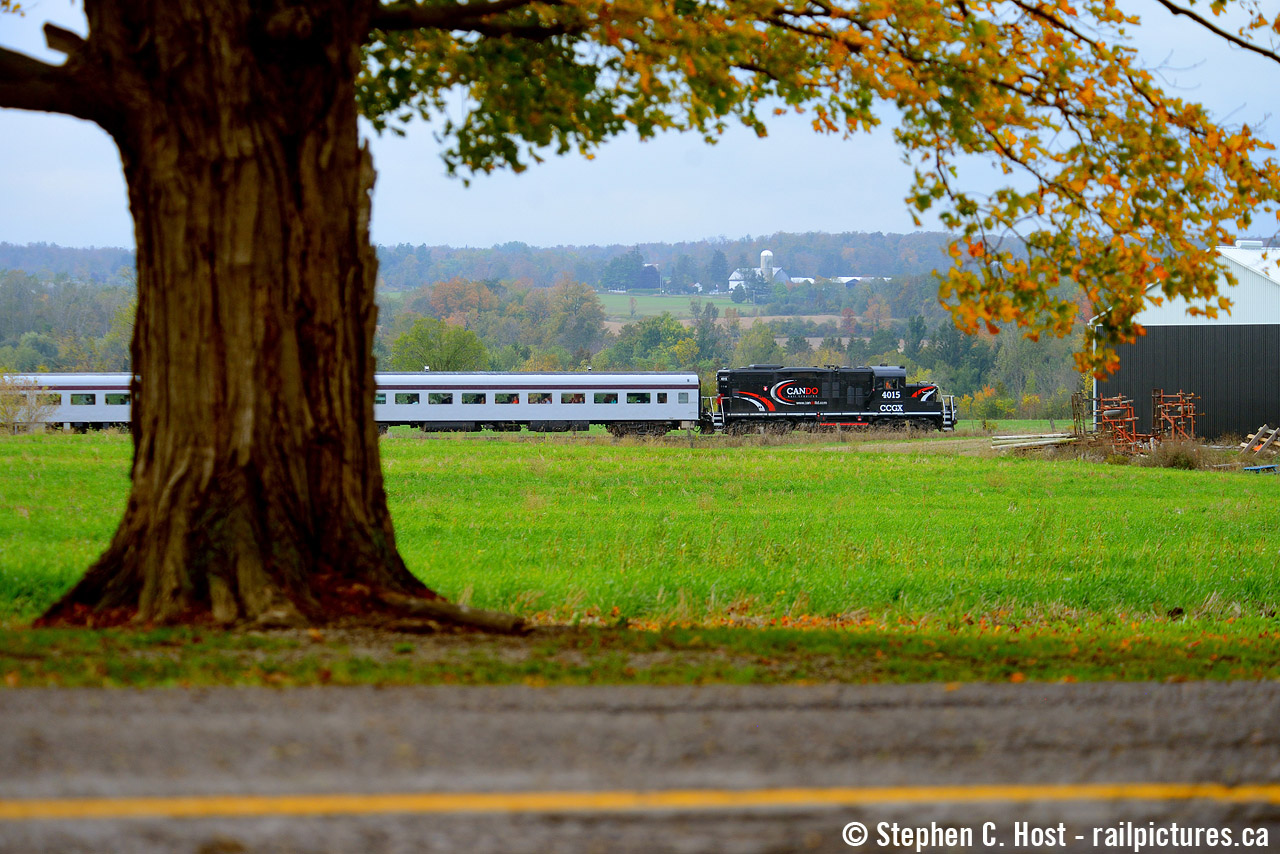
[60, 179]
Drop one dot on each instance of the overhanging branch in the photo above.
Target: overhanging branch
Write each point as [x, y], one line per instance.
[29, 84]
[477, 16]
[1230, 38]
[63, 41]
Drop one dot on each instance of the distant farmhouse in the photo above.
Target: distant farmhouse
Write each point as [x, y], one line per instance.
[766, 271]
[776, 275]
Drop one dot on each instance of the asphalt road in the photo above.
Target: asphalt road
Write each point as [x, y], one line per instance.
[712, 769]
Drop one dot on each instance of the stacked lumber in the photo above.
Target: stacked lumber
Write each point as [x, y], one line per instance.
[1031, 440]
[1263, 440]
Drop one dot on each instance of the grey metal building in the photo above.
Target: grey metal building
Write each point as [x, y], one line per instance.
[1232, 362]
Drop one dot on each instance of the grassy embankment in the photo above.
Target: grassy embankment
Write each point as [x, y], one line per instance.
[896, 566]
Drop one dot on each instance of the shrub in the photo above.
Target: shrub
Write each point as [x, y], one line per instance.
[1176, 455]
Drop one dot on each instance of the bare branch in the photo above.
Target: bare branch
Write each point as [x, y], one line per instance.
[63, 41]
[1231, 38]
[29, 84]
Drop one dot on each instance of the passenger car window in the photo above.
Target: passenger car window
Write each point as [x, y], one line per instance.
[407, 397]
[380, 398]
[539, 397]
[473, 397]
[638, 397]
[506, 397]
[606, 397]
[83, 399]
[572, 397]
[440, 397]
[116, 399]
[684, 397]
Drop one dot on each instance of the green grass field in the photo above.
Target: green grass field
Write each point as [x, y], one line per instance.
[847, 564]
[618, 306]
[666, 532]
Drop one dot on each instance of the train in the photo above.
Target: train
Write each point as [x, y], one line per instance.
[773, 398]
[756, 398]
[641, 403]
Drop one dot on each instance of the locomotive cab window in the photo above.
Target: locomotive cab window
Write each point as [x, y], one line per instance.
[407, 397]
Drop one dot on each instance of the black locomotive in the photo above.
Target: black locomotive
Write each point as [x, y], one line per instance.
[773, 398]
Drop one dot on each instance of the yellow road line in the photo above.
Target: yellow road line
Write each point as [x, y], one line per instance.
[690, 800]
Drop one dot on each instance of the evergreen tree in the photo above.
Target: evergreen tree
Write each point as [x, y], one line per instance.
[716, 275]
[624, 273]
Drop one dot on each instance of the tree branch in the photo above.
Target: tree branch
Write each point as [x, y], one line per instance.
[475, 16]
[1231, 38]
[29, 84]
[527, 32]
[63, 41]
[1037, 10]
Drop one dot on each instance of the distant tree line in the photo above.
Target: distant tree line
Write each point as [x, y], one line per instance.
[472, 325]
[677, 265]
[100, 265]
[59, 324]
[58, 321]
[468, 325]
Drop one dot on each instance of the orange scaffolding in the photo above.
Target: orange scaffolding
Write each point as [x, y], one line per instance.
[1173, 416]
[1117, 423]
[1112, 420]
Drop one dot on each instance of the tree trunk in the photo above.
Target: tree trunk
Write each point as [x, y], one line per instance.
[257, 492]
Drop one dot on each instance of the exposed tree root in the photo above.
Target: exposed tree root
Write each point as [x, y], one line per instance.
[332, 601]
[459, 615]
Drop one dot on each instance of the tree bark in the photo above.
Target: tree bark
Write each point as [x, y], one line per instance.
[257, 492]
